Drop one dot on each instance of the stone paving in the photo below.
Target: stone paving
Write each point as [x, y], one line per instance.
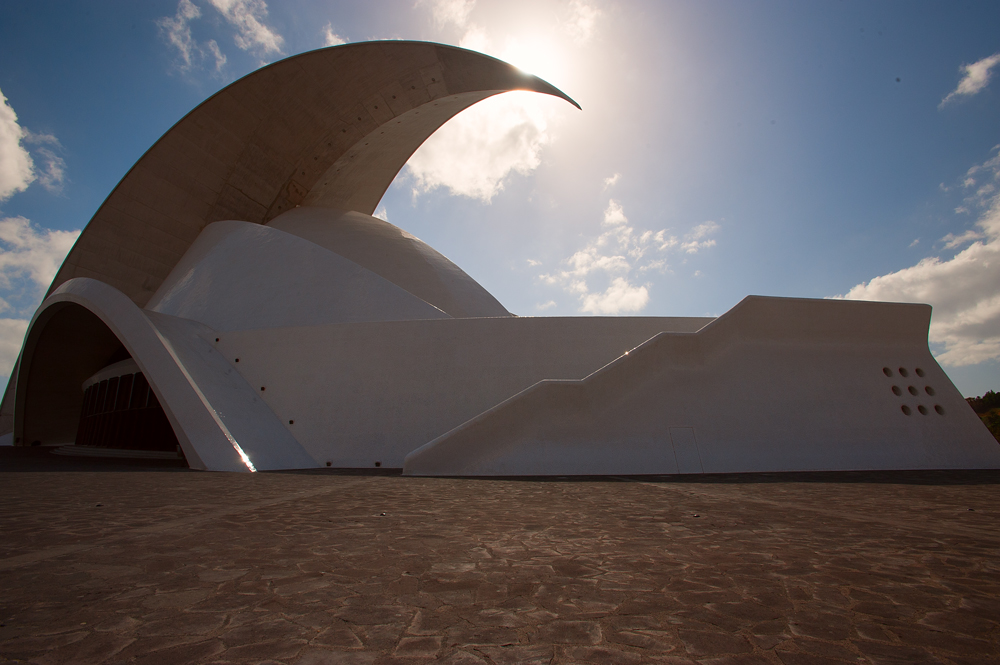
[147, 564]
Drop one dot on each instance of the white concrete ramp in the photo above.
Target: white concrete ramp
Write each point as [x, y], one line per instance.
[776, 384]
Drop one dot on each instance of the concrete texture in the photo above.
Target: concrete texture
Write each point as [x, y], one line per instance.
[240, 276]
[113, 563]
[396, 255]
[774, 384]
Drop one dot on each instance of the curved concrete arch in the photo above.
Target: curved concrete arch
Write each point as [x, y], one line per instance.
[72, 335]
[328, 128]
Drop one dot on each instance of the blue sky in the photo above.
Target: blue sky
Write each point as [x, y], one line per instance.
[724, 148]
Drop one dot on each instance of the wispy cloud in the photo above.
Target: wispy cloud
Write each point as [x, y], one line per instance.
[964, 290]
[382, 214]
[450, 12]
[582, 21]
[54, 170]
[176, 30]
[29, 259]
[246, 17]
[975, 77]
[602, 274]
[611, 181]
[475, 152]
[331, 38]
[18, 167]
[17, 170]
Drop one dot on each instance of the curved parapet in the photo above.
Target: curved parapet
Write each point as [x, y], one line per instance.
[219, 422]
[775, 384]
[328, 128]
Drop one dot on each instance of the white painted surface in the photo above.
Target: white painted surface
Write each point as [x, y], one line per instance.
[776, 384]
[394, 254]
[239, 276]
[372, 392]
[199, 393]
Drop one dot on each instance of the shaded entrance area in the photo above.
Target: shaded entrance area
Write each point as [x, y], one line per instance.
[122, 412]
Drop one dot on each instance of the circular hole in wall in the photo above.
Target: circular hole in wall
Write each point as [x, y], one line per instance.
[291, 422]
[919, 372]
[887, 371]
[928, 390]
[939, 409]
[896, 390]
[262, 388]
[913, 391]
[922, 409]
[903, 372]
[906, 410]
[378, 463]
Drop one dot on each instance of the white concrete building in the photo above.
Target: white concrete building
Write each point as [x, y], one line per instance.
[233, 298]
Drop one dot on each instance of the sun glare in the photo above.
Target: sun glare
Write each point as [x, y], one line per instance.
[539, 57]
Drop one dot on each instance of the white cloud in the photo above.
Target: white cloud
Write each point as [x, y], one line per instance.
[382, 214]
[696, 239]
[450, 12]
[248, 16]
[177, 31]
[217, 54]
[964, 290]
[611, 181]
[976, 77]
[331, 38]
[620, 296]
[541, 307]
[582, 21]
[29, 253]
[16, 167]
[54, 171]
[245, 16]
[476, 151]
[618, 252]
[11, 337]
[533, 262]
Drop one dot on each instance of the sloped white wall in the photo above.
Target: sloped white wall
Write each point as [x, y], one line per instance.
[239, 276]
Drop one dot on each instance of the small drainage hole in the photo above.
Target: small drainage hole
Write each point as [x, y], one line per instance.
[291, 422]
[887, 371]
[378, 463]
[329, 463]
[906, 410]
[913, 391]
[903, 372]
[262, 388]
[896, 390]
[922, 409]
[939, 409]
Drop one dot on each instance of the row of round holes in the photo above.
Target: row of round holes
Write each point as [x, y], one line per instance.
[912, 390]
[902, 372]
[924, 410]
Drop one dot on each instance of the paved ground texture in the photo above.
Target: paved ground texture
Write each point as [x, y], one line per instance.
[111, 563]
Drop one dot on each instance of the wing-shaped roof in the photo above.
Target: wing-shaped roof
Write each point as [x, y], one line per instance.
[328, 128]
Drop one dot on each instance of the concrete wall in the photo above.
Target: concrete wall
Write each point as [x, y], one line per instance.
[776, 384]
[395, 255]
[372, 392]
[239, 275]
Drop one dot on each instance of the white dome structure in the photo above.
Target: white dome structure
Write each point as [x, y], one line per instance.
[234, 300]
